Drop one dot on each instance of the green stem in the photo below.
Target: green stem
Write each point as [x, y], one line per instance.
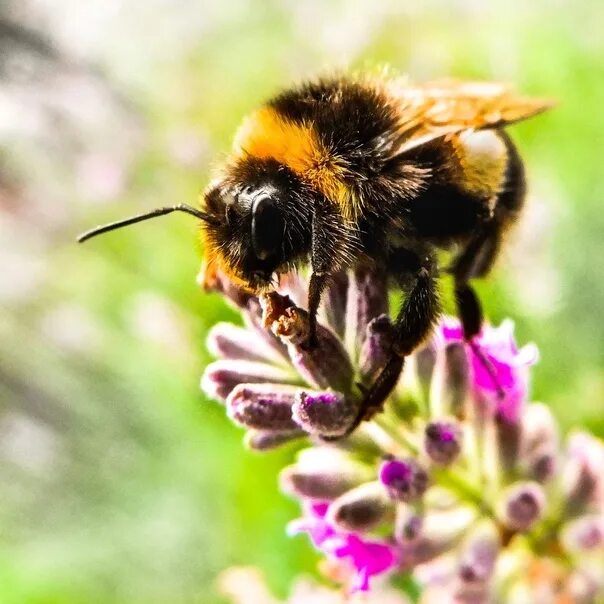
[387, 425]
[464, 488]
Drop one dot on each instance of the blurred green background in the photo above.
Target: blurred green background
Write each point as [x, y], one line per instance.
[119, 482]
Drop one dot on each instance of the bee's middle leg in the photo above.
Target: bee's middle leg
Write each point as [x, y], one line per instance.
[419, 312]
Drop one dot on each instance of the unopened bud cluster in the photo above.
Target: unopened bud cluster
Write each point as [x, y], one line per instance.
[460, 482]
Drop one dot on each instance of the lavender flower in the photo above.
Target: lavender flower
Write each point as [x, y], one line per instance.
[461, 481]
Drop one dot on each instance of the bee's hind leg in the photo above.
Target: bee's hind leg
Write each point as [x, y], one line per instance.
[476, 261]
[413, 325]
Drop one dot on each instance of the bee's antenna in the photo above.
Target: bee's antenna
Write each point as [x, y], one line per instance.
[181, 207]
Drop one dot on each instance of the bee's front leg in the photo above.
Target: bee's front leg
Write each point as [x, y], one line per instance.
[318, 283]
[333, 246]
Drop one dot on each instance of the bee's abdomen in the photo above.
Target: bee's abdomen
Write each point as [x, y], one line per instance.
[445, 212]
[477, 177]
[512, 195]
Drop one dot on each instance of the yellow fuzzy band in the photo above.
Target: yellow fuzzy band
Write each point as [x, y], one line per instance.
[266, 134]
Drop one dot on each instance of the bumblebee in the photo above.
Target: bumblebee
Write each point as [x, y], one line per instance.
[344, 171]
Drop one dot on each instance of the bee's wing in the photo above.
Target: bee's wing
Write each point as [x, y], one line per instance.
[437, 109]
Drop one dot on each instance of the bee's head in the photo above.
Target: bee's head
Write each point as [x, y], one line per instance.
[255, 223]
[259, 228]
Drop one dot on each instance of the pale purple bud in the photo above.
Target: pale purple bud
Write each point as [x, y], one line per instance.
[361, 509]
[443, 441]
[323, 473]
[584, 533]
[220, 377]
[539, 442]
[456, 380]
[408, 524]
[324, 365]
[508, 435]
[583, 477]
[262, 406]
[367, 299]
[479, 554]
[326, 414]
[425, 362]
[522, 505]
[232, 342]
[376, 348]
[405, 480]
[335, 302]
[538, 428]
[265, 440]
[541, 465]
[440, 532]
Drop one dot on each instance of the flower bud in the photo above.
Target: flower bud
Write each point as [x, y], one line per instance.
[439, 532]
[541, 465]
[220, 377]
[324, 365]
[425, 363]
[232, 342]
[335, 303]
[326, 414]
[367, 299]
[442, 441]
[323, 473]
[538, 429]
[361, 509]
[508, 436]
[405, 480]
[408, 524]
[456, 379]
[539, 443]
[585, 533]
[479, 554]
[262, 406]
[265, 440]
[376, 348]
[583, 478]
[522, 506]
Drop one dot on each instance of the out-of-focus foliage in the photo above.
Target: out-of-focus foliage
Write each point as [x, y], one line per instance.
[120, 482]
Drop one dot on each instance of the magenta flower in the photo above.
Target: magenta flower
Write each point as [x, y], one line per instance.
[367, 558]
[506, 384]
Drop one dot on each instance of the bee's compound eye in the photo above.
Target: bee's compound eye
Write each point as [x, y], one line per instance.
[267, 227]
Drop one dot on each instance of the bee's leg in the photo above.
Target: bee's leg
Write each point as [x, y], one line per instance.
[475, 261]
[332, 247]
[413, 325]
[479, 256]
[317, 284]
